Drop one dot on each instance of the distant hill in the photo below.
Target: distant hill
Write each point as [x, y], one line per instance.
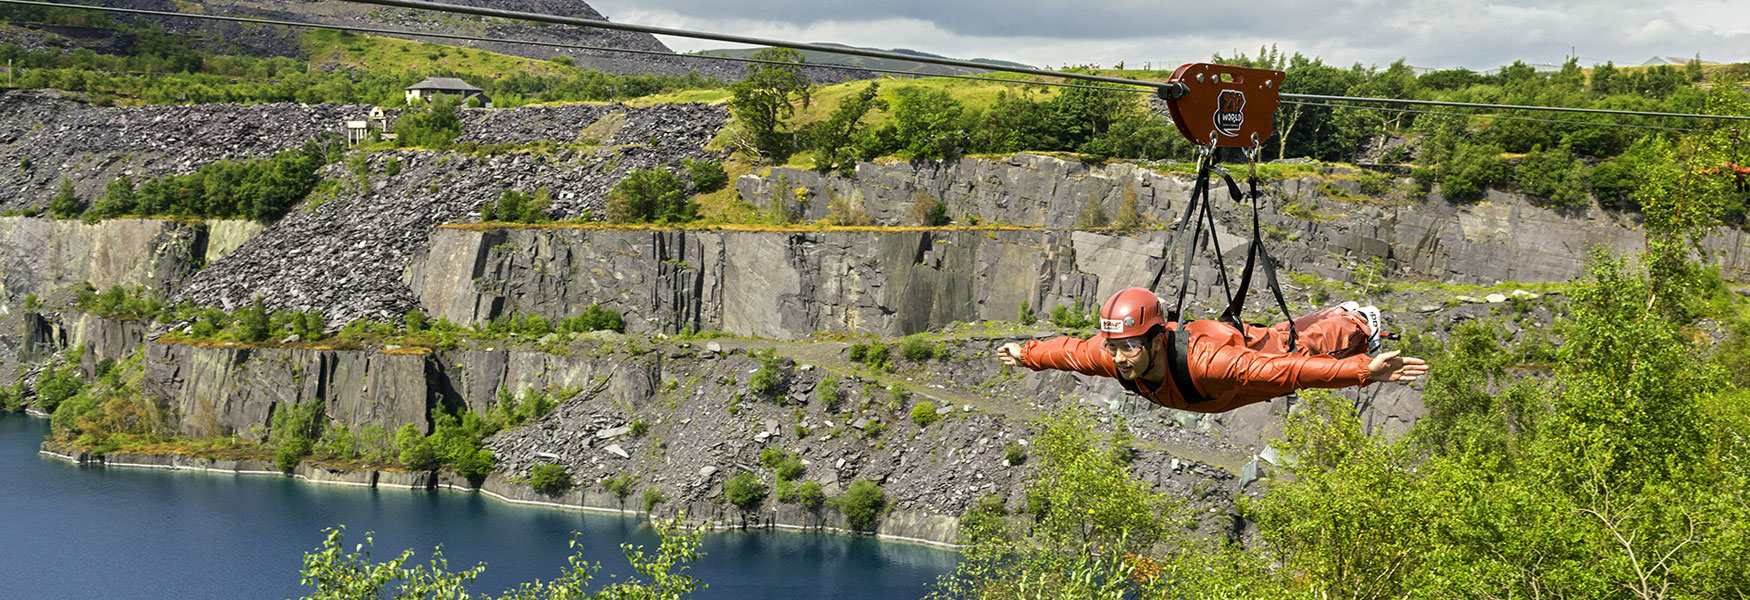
[279, 41]
[873, 63]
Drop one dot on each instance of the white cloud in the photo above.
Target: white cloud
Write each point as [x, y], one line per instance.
[1433, 33]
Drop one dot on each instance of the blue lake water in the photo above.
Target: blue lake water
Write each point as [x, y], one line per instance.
[73, 532]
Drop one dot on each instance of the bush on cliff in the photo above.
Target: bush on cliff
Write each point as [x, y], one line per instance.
[550, 479]
[704, 176]
[118, 302]
[594, 318]
[262, 189]
[415, 451]
[652, 195]
[745, 491]
[57, 384]
[294, 430]
[517, 207]
[862, 504]
[66, 204]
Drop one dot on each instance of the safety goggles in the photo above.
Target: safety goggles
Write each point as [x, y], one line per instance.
[1126, 345]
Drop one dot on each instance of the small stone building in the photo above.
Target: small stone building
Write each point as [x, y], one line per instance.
[434, 86]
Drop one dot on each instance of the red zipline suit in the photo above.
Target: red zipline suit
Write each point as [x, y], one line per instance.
[1231, 371]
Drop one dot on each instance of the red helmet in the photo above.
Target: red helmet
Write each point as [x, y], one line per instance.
[1130, 313]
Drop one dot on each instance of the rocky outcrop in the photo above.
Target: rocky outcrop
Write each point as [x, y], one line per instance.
[775, 284]
[220, 391]
[345, 254]
[1502, 237]
[45, 138]
[43, 257]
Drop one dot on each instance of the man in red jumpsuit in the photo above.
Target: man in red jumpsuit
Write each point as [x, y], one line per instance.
[1223, 369]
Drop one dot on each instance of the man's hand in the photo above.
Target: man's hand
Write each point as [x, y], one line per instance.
[1390, 367]
[1009, 354]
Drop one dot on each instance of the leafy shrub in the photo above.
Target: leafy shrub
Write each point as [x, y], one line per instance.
[810, 495]
[653, 497]
[784, 464]
[862, 504]
[434, 125]
[416, 450]
[1554, 174]
[1025, 314]
[337, 443]
[827, 392]
[620, 485]
[1064, 316]
[874, 354]
[1014, 453]
[640, 428]
[476, 465]
[924, 413]
[66, 204]
[594, 318]
[917, 348]
[1613, 182]
[517, 207]
[293, 432]
[550, 479]
[120, 303]
[251, 323]
[768, 380]
[1471, 169]
[704, 176]
[650, 196]
[745, 491]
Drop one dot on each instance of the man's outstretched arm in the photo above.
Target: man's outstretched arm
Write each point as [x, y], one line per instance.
[1087, 357]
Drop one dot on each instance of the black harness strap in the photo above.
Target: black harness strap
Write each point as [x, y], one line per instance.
[1197, 212]
[1256, 253]
[1178, 353]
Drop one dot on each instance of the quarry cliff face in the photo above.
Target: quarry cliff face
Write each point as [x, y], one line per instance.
[400, 236]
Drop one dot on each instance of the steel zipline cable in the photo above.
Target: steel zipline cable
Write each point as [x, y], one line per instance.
[758, 41]
[1134, 85]
[499, 40]
[1442, 113]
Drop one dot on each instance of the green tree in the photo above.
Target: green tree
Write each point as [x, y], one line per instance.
[338, 571]
[1470, 170]
[66, 204]
[704, 176]
[927, 123]
[650, 195]
[862, 505]
[764, 101]
[433, 125]
[1554, 174]
[550, 479]
[745, 491]
[832, 139]
[118, 199]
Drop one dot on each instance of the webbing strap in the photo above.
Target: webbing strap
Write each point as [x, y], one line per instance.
[1256, 253]
[1178, 353]
[1197, 212]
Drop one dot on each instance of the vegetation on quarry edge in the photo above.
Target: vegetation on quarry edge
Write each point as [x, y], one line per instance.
[1621, 470]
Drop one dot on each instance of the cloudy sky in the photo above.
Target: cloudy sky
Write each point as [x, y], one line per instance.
[1427, 33]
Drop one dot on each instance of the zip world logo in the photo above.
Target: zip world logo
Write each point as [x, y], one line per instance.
[1230, 112]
